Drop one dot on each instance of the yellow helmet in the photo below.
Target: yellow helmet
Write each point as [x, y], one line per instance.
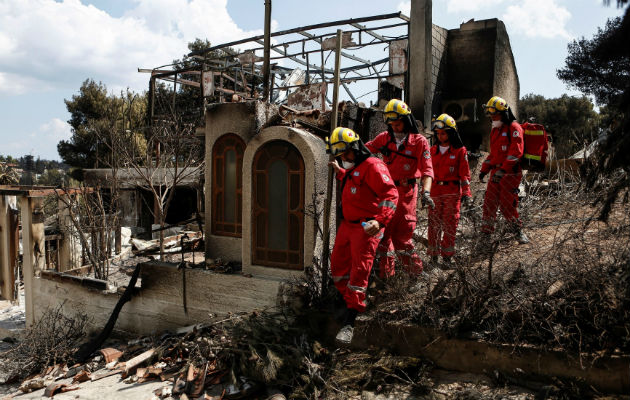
[494, 105]
[340, 140]
[394, 110]
[444, 121]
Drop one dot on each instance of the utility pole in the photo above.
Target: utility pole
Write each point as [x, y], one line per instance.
[329, 184]
[267, 51]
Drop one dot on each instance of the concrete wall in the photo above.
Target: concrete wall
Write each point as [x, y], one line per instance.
[438, 66]
[159, 302]
[130, 208]
[479, 65]
[506, 82]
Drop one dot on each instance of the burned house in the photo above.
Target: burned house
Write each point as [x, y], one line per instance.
[261, 178]
[264, 115]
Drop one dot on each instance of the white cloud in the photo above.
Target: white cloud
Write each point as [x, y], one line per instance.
[405, 7]
[44, 43]
[538, 18]
[55, 129]
[18, 84]
[455, 6]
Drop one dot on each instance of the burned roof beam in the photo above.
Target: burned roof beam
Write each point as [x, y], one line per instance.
[297, 60]
[347, 89]
[343, 53]
[363, 28]
[326, 35]
[297, 30]
[346, 80]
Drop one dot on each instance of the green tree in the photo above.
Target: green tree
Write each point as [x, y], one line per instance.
[601, 67]
[51, 177]
[93, 114]
[572, 121]
[596, 68]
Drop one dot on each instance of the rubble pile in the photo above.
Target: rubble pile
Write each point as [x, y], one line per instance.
[260, 356]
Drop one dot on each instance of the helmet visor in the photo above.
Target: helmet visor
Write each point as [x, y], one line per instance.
[390, 116]
[338, 148]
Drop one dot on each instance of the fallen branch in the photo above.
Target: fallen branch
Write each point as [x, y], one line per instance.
[90, 347]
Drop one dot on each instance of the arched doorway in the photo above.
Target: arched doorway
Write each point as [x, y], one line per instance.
[278, 206]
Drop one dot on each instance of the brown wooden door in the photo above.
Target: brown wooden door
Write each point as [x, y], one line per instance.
[278, 206]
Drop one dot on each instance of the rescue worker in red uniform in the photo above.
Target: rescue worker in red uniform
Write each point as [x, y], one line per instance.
[451, 187]
[407, 156]
[368, 203]
[503, 165]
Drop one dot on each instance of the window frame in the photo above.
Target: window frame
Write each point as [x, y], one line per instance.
[218, 197]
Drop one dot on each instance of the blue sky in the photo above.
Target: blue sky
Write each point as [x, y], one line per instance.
[48, 48]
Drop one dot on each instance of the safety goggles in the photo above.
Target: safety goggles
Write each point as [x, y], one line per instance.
[438, 125]
[390, 116]
[489, 110]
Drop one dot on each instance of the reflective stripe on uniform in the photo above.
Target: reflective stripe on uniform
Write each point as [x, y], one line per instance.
[387, 203]
[340, 278]
[358, 288]
[512, 158]
[534, 133]
[532, 157]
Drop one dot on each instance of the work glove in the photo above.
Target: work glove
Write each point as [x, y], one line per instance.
[481, 176]
[467, 202]
[496, 178]
[427, 200]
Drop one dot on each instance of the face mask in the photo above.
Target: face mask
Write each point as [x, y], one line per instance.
[347, 164]
[497, 124]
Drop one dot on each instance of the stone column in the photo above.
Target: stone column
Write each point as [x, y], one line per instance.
[420, 60]
[33, 249]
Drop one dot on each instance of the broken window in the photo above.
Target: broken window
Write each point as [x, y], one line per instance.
[227, 166]
[278, 206]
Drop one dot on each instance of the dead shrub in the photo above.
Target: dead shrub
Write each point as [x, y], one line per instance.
[51, 340]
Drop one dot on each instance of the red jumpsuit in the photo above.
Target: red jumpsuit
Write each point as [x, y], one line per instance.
[368, 193]
[506, 151]
[413, 162]
[452, 181]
